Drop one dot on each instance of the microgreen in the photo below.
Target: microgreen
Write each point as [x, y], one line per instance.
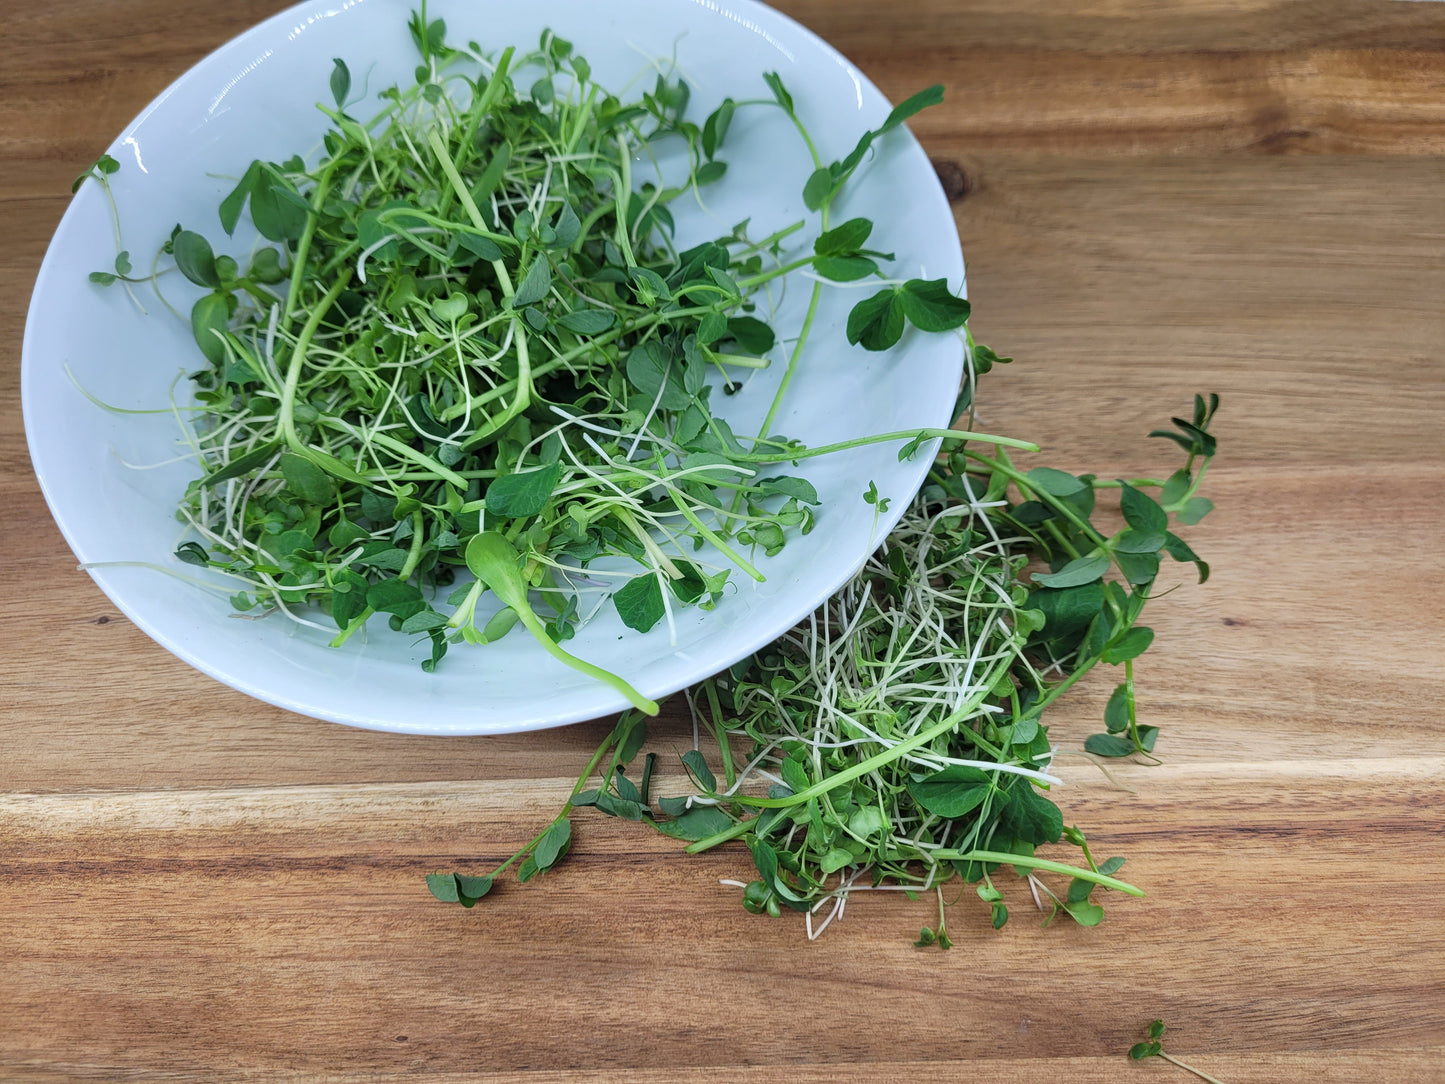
[1153, 1047]
[896, 738]
[467, 340]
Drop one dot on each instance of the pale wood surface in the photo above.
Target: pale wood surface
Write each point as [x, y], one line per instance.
[1162, 198]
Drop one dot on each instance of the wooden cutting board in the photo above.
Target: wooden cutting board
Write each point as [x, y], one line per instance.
[1154, 199]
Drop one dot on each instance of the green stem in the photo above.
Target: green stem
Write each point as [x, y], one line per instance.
[534, 626]
[287, 411]
[713, 537]
[881, 438]
[1190, 1069]
[754, 281]
[1004, 858]
[1021, 479]
[303, 246]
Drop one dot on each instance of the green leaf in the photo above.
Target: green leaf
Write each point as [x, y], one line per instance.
[780, 92]
[697, 765]
[209, 317]
[696, 823]
[953, 791]
[639, 602]
[1116, 711]
[568, 227]
[449, 309]
[912, 105]
[1133, 644]
[710, 172]
[587, 321]
[395, 597]
[484, 248]
[751, 334]
[1135, 541]
[105, 165]
[1056, 483]
[711, 328]
[425, 621]
[817, 189]
[798, 488]
[715, 128]
[517, 496]
[192, 553]
[631, 735]
[1195, 509]
[472, 888]
[844, 268]
[266, 267]
[1175, 488]
[1142, 512]
[1068, 610]
[230, 210]
[276, 217]
[499, 624]
[553, 844]
[648, 285]
[1138, 568]
[340, 82]
[308, 481]
[536, 284]
[1177, 548]
[444, 887]
[837, 858]
[1108, 745]
[1085, 912]
[348, 597]
[931, 306]
[659, 377]
[876, 323]
[1030, 815]
[243, 464]
[1156, 1029]
[1077, 572]
[844, 240]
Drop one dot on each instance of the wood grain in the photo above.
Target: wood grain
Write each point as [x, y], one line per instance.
[1230, 195]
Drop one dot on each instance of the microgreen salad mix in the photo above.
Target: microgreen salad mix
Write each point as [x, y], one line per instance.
[472, 346]
[470, 359]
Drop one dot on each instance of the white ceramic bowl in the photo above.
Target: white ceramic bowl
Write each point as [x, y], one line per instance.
[254, 98]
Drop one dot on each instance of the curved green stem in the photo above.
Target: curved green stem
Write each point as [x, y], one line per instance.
[1004, 858]
[303, 246]
[881, 438]
[534, 626]
[298, 356]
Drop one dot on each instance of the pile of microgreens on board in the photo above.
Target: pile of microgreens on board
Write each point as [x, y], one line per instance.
[471, 346]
